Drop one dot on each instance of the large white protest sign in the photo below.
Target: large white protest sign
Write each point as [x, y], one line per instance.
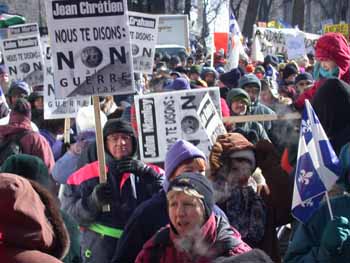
[58, 108]
[164, 117]
[210, 119]
[91, 48]
[23, 56]
[273, 41]
[143, 33]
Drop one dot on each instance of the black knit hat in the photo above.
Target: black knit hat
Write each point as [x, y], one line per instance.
[230, 79]
[120, 125]
[289, 70]
[199, 183]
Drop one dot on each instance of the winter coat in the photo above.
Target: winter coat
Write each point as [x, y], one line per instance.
[335, 47]
[130, 191]
[32, 143]
[56, 145]
[332, 107]
[306, 243]
[277, 203]
[142, 225]
[32, 229]
[217, 239]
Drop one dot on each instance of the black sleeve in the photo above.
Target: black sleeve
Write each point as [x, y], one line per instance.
[131, 241]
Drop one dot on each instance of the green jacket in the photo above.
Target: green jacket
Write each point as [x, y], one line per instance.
[305, 246]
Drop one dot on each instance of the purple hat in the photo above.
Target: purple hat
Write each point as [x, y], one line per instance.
[179, 84]
[180, 151]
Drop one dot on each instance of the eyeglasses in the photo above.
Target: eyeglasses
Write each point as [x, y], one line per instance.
[116, 137]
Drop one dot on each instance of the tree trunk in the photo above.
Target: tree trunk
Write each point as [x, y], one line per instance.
[250, 18]
[298, 13]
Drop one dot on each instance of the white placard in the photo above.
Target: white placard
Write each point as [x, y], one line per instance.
[164, 117]
[295, 46]
[91, 48]
[210, 119]
[143, 34]
[23, 30]
[23, 57]
[58, 108]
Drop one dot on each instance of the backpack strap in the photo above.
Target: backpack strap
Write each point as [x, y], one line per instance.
[161, 239]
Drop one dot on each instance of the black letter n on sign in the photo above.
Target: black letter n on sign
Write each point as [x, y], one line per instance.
[68, 61]
[188, 102]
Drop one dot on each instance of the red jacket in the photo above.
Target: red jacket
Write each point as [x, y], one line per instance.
[32, 143]
[330, 46]
[217, 239]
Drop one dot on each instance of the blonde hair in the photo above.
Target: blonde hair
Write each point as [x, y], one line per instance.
[186, 190]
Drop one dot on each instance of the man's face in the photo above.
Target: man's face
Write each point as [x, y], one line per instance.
[253, 91]
[119, 145]
[303, 85]
[239, 107]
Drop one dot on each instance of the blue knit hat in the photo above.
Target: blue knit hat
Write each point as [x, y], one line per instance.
[19, 85]
[249, 79]
[180, 151]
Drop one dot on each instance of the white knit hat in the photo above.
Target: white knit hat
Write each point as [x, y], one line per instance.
[85, 119]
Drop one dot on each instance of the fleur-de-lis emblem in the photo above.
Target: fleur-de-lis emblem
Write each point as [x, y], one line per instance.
[304, 177]
[307, 203]
[305, 126]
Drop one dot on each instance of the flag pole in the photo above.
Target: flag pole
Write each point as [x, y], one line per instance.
[329, 206]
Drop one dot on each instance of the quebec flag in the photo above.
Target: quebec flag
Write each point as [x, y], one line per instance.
[234, 42]
[317, 168]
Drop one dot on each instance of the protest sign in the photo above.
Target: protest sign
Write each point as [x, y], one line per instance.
[58, 108]
[173, 30]
[164, 117]
[340, 28]
[143, 33]
[210, 119]
[295, 46]
[23, 30]
[273, 41]
[23, 57]
[91, 49]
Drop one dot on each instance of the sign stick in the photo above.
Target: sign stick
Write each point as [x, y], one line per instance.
[67, 130]
[329, 206]
[100, 146]
[265, 117]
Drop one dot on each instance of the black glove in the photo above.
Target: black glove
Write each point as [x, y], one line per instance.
[132, 166]
[101, 195]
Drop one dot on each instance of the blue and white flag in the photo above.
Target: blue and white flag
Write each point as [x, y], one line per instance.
[234, 42]
[317, 168]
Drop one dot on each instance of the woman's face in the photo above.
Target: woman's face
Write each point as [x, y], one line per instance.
[186, 213]
[239, 107]
[328, 64]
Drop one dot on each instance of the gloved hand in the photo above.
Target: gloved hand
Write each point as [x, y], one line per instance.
[4, 110]
[335, 234]
[101, 195]
[132, 166]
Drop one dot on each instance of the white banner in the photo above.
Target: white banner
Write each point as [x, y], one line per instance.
[143, 33]
[91, 49]
[23, 57]
[58, 108]
[210, 119]
[273, 41]
[164, 117]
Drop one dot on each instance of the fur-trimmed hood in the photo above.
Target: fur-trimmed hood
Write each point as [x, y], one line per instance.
[30, 220]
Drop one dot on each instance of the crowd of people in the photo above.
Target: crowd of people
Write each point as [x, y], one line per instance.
[231, 206]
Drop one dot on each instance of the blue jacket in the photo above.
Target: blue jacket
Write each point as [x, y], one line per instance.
[305, 246]
[147, 219]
